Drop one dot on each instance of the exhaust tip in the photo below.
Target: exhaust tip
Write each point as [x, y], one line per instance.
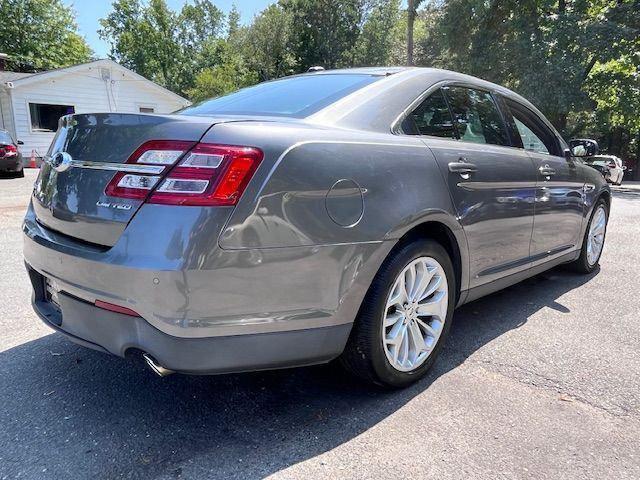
[155, 366]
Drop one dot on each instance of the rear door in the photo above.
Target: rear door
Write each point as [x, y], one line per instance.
[559, 189]
[492, 185]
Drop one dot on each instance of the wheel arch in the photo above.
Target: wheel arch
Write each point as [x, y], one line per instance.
[445, 236]
[606, 196]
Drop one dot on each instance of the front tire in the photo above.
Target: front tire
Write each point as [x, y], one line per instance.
[405, 316]
[593, 241]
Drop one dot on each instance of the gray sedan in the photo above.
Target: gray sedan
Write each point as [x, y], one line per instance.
[338, 214]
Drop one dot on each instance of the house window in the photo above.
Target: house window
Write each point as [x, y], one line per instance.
[44, 117]
[146, 110]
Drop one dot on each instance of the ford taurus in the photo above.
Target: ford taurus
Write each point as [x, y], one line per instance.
[336, 214]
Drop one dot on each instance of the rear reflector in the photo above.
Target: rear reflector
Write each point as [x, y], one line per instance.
[209, 175]
[115, 308]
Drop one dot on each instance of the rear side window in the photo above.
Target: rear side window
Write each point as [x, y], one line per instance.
[530, 141]
[534, 133]
[432, 118]
[476, 116]
[292, 97]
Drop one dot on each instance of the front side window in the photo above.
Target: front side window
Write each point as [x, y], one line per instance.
[536, 136]
[476, 116]
[44, 117]
[432, 118]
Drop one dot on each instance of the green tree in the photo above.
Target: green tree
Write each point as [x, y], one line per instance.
[160, 44]
[229, 73]
[40, 35]
[545, 49]
[324, 32]
[267, 43]
[233, 24]
[378, 35]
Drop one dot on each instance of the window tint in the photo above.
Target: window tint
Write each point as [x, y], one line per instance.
[530, 140]
[535, 135]
[432, 117]
[294, 97]
[476, 116]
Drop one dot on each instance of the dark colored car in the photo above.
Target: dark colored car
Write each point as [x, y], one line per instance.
[10, 156]
[332, 214]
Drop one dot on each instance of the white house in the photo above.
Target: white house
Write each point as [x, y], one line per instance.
[32, 103]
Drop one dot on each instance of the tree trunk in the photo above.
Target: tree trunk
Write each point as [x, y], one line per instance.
[411, 16]
[636, 168]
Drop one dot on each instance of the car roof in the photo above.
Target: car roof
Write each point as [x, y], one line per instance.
[377, 71]
[377, 106]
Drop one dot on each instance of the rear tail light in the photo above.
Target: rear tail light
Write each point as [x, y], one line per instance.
[209, 175]
[159, 153]
[204, 174]
[9, 151]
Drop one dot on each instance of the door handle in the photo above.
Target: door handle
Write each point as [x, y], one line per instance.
[547, 171]
[463, 168]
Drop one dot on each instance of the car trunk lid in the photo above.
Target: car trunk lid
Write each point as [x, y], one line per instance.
[86, 153]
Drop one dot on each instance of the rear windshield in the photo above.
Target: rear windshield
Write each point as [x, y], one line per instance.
[5, 138]
[600, 160]
[291, 97]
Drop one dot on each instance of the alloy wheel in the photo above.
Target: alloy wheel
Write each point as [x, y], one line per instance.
[415, 313]
[595, 239]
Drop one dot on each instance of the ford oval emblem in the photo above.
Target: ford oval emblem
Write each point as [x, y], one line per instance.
[60, 161]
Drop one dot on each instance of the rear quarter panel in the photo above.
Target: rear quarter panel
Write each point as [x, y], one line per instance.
[319, 186]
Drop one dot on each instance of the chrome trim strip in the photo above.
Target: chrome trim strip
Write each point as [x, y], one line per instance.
[119, 167]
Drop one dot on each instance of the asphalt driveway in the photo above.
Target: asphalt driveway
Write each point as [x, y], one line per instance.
[539, 381]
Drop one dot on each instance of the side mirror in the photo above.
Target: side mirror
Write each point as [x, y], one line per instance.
[584, 147]
[20, 142]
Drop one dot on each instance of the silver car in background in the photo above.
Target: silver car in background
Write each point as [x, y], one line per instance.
[611, 165]
[333, 214]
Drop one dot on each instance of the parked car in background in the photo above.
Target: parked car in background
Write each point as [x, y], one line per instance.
[332, 214]
[10, 156]
[609, 165]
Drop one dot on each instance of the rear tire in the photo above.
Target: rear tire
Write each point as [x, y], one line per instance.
[588, 260]
[372, 353]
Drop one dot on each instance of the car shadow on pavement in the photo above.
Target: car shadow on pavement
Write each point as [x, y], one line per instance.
[626, 193]
[74, 413]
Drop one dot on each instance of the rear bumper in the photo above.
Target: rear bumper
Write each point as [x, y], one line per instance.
[13, 164]
[202, 309]
[117, 334]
